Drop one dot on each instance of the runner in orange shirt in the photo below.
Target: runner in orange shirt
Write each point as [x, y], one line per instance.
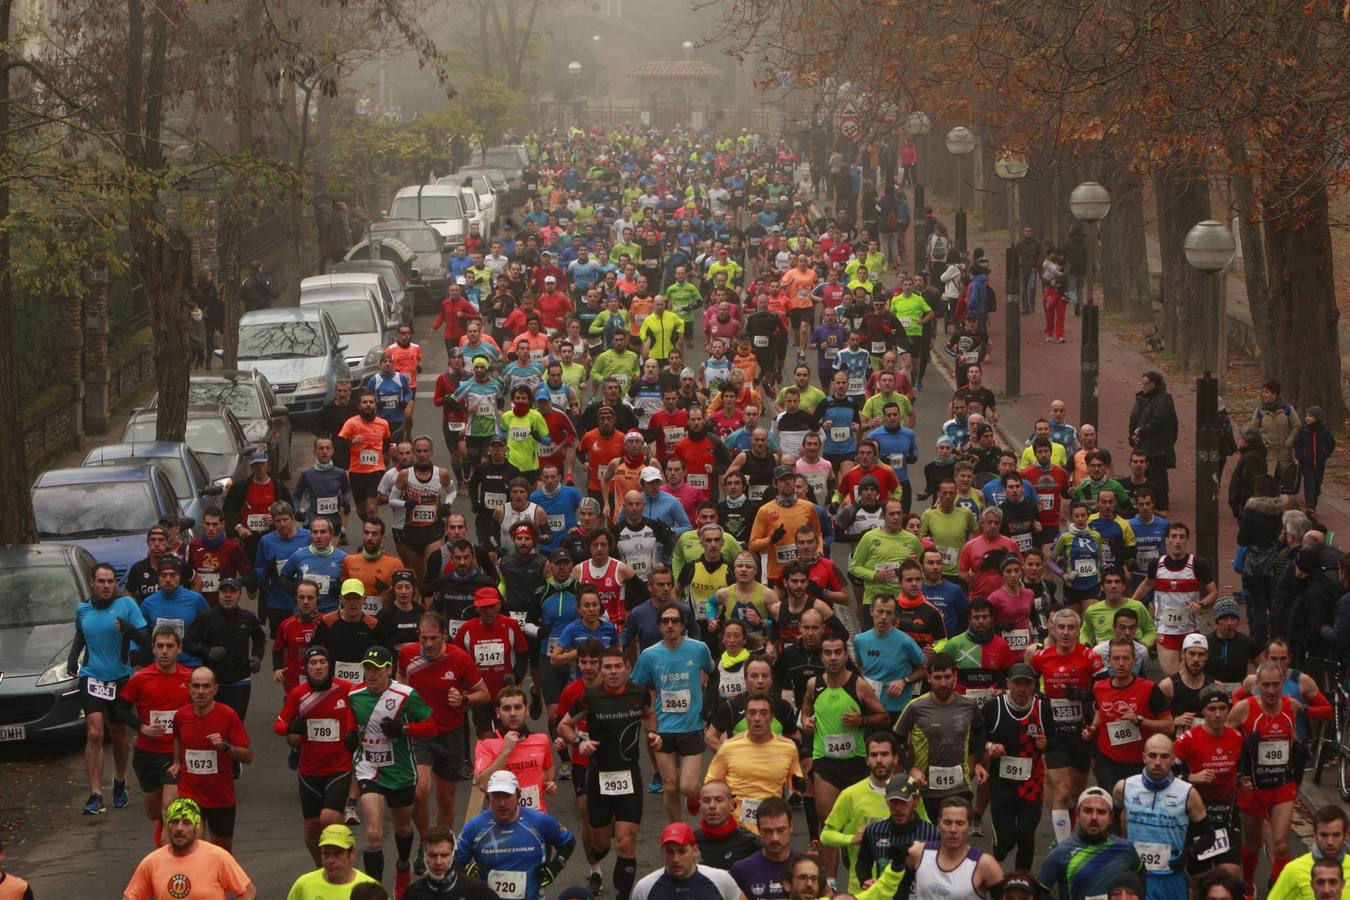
[369, 438]
[407, 358]
[798, 283]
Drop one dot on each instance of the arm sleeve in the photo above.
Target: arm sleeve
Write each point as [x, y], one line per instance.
[76, 648]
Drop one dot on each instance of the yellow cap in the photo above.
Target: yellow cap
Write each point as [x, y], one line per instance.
[353, 586]
[337, 836]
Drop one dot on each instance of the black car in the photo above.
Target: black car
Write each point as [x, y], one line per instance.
[425, 242]
[40, 585]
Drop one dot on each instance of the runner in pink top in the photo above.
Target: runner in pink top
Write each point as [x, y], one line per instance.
[1012, 606]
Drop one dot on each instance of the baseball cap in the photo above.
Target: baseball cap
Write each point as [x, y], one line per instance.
[1226, 606]
[230, 583]
[486, 596]
[678, 833]
[1210, 694]
[259, 456]
[560, 556]
[502, 782]
[901, 787]
[1017, 881]
[353, 586]
[650, 473]
[497, 439]
[548, 278]
[337, 836]
[784, 472]
[379, 657]
[1021, 670]
[317, 650]
[170, 561]
[1097, 793]
[1195, 640]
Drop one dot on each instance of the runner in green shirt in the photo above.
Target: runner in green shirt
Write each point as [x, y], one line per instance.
[911, 309]
[809, 396]
[524, 431]
[881, 551]
[862, 803]
[684, 298]
[950, 526]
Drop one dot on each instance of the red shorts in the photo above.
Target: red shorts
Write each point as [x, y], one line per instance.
[1170, 641]
[1259, 802]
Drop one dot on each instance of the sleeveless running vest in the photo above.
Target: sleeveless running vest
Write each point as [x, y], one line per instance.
[606, 583]
[931, 881]
[834, 739]
[511, 515]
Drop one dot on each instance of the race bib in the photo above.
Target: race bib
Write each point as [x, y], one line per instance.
[949, 555]
[672, 434]
[322, 731]
[349, 671]
[326, 506]
[1023, 541]
[1271, 753]
[1066, 710]
[1014, 768]
[372, 604]
[749, 810]
[616, 784]
[520, 617]
[945, 778]
[517, 435]
[200, 762]
[1045, 502]
[556, 523]
[489, 654]
[878, 348]
[369, 457]
[761, 341]
[1220, 845]
[255, 522]
[321, 580]
[731, 684]
[101, 690]
[389, 401]
[983, 693]
[875, 684]
[1017, 639]
[378, 753]
[840, 433]
[757, 491]
[856, 385]
[841, 746]
[831, 352]
[423, 514]
[676, 701]
[699, 481]
[1156, 857]
[499, 322]
[640, 565]
[785, 553]
[455, 427]
[210, 582]
[163, 718]
[1084, 568]
[1174, 616]
[529, 796]
[452, 627]
[896, 460]
[1146, 559]
[1122, 732]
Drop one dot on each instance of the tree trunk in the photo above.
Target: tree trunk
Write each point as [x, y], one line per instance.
[1182, 193]
[16, 526]
[162, 259]
[1303, 298]
[1125, 281]
[1254, 263]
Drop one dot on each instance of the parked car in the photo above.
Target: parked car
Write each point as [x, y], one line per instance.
[512, 159]
[374, 280]
[420, 239]
[212, 430]
[185, 470]
[390, 253]
[250, 396]
[500, 180]
[359, 320]
[299, 351]
[40, 585]
[484, 189]
[104, 509]
[439, 205]
[474, 212]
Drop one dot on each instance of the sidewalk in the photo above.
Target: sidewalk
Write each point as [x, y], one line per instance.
[1050, 371]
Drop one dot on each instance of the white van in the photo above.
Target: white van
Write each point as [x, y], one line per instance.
[439, 205]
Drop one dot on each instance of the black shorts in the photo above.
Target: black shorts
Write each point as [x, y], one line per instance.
[446, 753]
[1069, 752]
[685, 743]
[152, 769]
[395, 798]
[320, 792]
[419, 538]
[840, 772]
[1076, 597]
[452, 438]
[838, 459]
[91, 704]
[483, 717]
[1232, 856]
[603, 810]
[1108, 771]
[219, 821]
[364, 485]
[579, 777]
[477, 445]
[804, 315]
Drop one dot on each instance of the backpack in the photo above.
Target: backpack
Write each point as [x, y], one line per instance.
[990, 298]
[890, 220]
[1227, 443]
[977, 299]
[937, 248]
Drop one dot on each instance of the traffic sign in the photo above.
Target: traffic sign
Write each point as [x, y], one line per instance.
[849, 125]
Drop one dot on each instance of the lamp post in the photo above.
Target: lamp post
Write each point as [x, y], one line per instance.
[574, 79]
[960, 141]
[918, 124]
[688, 47]
[1012, 168]
[1090, 202]
[1209, 248]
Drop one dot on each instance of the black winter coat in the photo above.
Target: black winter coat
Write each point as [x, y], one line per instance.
[1155, 417]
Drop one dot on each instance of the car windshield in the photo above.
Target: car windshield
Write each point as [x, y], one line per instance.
[503, 158]
[280, 340]
[242, 397]
[171, 466]
[350, 316]
[93, 510]
[37, 595]
[420, 240]
[388, 270]
[205, 435]
[432, 206]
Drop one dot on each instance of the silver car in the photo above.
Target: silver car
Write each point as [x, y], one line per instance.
[253, 401]
[299, 351]
[359, 320]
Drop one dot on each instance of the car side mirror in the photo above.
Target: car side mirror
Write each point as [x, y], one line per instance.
[341, 347]
[447, 247]
[213, 490]
[280, 411]
[187, 523]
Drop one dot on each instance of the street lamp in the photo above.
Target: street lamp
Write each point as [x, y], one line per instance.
[918, 124]
[960, 141]
[574, 79]
[688, 47]
[1209, 248]
[1090, 202]
[1012, 167]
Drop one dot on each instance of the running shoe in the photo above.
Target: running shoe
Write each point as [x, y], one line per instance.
[94, 805]
[565, 770]
[595, 883]
[401, 878]
[120, 798]
[657, 786]
[349, 816]
[419, 863]
[536, 703]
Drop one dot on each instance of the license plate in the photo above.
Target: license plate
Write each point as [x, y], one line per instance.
[285, 399]
[12, 733]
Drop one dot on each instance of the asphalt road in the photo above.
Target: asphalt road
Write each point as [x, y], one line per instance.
[63, 853]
